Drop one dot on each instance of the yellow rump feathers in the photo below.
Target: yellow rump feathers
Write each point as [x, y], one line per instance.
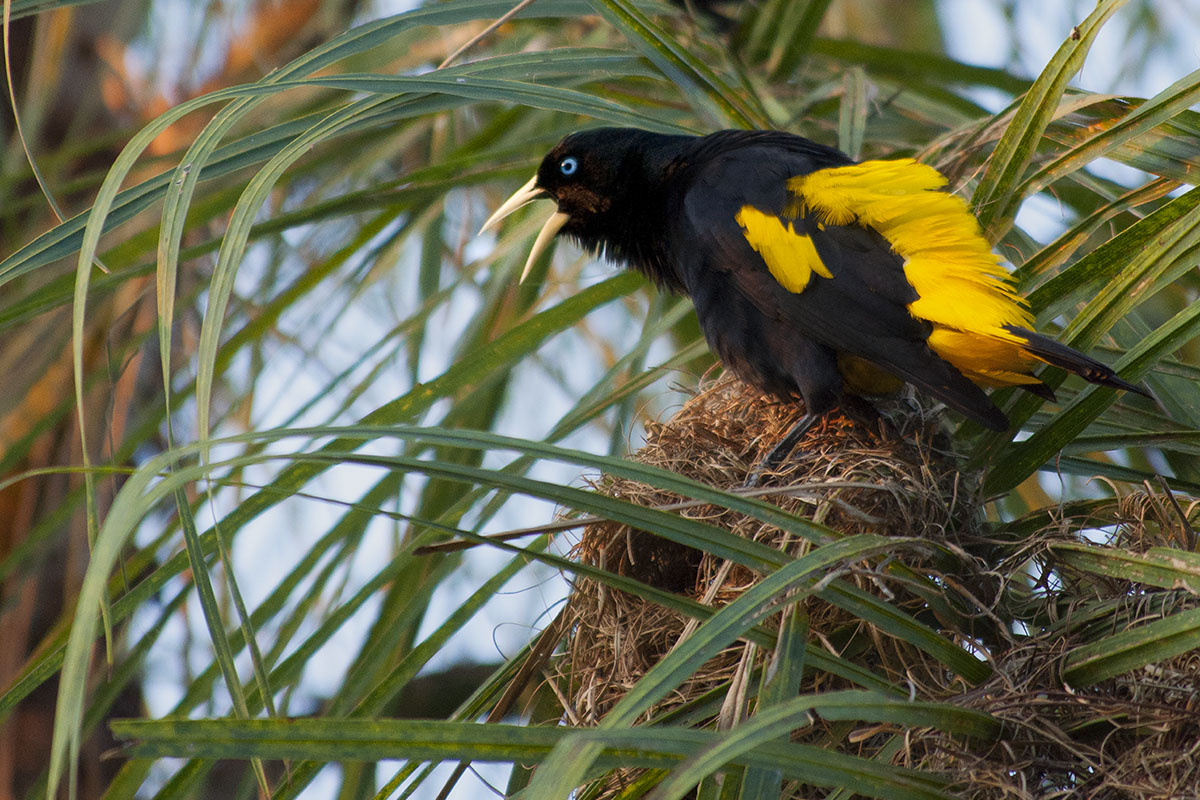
[790, 256]
[961, 287]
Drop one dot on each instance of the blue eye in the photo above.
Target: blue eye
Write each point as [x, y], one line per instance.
[568, 165]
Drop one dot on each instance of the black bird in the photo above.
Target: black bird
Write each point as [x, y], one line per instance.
[811, 274]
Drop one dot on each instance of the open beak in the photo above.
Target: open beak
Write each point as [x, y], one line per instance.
[523, 197]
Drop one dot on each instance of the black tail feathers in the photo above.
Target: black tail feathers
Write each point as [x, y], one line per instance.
[1059, 355]
[1041, 390]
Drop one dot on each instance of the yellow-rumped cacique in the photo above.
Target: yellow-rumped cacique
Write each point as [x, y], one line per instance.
[811, 274]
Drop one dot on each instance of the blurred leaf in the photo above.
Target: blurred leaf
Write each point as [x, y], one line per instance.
[699, 82]
[780, 720]
[332, 740]
[996, 197]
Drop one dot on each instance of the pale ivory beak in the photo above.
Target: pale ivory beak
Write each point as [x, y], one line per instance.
[523, 197]
[548, 232]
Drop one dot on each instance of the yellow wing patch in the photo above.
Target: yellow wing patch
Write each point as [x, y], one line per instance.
[961, 287]
[959, 281]
[790, 256]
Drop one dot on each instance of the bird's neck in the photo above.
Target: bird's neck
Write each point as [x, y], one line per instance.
[634, 234]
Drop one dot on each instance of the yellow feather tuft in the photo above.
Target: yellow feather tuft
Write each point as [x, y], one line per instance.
[961, 287]
[864, 378]
[878, 189]
[790, 256]
[988, 358]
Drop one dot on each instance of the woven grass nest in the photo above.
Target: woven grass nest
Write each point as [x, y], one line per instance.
[1135, 736]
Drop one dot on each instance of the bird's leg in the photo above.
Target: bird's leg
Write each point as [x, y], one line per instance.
[783, 449]
[814, 368]
[788, 443]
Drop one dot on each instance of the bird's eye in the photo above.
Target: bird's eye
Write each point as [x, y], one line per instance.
[568, 166]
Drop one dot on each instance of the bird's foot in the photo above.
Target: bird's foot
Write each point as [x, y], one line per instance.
[781, 451]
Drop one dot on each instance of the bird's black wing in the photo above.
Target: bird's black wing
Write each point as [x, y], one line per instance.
[840, 286]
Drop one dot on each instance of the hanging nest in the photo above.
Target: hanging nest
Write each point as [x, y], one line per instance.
[891, 477]
[1136, 736]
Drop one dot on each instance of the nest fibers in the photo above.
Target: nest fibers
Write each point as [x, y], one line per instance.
[1137, 736]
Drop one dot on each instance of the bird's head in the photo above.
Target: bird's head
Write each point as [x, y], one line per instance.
[594, 177]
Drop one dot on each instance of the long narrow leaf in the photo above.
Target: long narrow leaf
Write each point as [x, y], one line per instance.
[995, 199]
